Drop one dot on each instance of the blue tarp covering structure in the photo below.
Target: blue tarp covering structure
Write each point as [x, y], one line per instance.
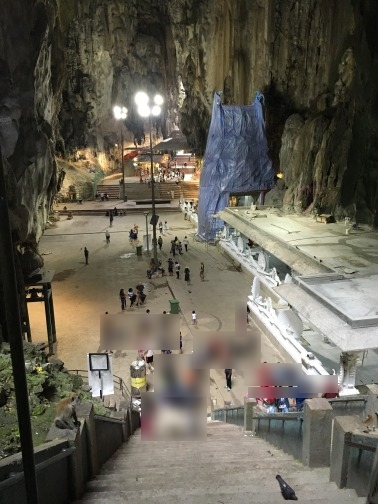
[236, 160]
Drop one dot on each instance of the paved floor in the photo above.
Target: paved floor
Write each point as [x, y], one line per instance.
[81, 293]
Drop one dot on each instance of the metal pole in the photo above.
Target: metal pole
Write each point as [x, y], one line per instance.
[122, 167]
[154, 244]
[148, 246]
[14, 331]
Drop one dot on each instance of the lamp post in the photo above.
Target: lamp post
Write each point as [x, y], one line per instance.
[120, 113]
[148, 248]
[145, 110]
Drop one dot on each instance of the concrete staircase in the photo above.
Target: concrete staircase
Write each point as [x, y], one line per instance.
[188, 189]
[137, 192]
[230, 468]
[111, 189]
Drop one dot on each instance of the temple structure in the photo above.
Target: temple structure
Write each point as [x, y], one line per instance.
[308, 273]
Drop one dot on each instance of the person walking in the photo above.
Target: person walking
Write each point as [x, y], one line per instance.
[185, 241]
[122, 298]
[165, 227]
[179, 248]
[202, 272]
[177, 269]
[180, 343]
[194, 317]
[86, 255]
[173, 248]
[107, 237]
[187, 274]
[132, 296]
[160, 242]
[228, 373]
[170, 266]
[111, 218]
[161, 227]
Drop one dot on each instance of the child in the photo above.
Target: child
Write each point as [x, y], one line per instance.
[194, 317]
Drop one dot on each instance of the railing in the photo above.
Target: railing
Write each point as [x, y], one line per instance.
[119, 383]
[64, 466]
[232, 415]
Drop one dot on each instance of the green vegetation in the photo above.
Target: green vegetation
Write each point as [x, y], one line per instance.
[48, 382]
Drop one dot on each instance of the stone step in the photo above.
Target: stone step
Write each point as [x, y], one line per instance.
[253, 496]
[139, 480]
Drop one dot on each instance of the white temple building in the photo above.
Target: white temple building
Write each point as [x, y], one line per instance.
[306, 272]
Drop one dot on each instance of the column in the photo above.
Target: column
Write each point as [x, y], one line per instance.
[347, 373]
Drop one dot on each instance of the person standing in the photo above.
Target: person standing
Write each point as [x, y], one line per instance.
[149, 358]
[170, 266]
[228, 373]
[173, 248]
[165, 227]
[160, 242]
[202, 272]
[111, 218]
[122, 298]
[194, 317]
[86, 255]
[185, 241]
[179, 248]
[180, 343]
[177, 269]
[161, 227]
[187, 274]
[107, 237]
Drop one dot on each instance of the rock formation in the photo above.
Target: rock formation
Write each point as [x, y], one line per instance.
[64, 64]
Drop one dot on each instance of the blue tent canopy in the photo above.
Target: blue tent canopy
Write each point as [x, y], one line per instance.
[236, 160]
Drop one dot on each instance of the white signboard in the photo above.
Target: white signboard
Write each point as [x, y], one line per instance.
[100, 374]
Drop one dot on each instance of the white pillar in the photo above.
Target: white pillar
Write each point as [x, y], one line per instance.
[347, 373]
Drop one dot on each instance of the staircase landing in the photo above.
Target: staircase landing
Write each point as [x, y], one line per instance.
[230, 468]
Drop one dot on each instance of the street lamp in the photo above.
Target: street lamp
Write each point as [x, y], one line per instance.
[145, 110]
[120, 113]
[148, 248]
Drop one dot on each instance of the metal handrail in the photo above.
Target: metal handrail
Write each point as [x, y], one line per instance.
[291, 416]
[349, 399]
[361, 446]
[119, 383]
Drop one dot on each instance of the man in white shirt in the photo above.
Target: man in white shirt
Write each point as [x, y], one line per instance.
[185, 241]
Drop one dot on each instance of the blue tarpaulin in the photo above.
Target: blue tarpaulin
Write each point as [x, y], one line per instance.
[236, 160]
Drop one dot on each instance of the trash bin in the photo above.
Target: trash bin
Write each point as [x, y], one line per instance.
[175, 306]
[139, 250]
[138, 377]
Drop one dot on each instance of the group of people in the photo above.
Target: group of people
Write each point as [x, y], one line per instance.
[176, 246]
[138, 297]
[175, 266]
[102, 196]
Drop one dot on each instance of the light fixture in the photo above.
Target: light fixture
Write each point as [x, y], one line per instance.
[142, 101]
[120, 114]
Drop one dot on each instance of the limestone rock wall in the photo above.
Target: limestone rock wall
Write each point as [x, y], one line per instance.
[316, 63]
[65, 63]
[115, 48]
[30, 95]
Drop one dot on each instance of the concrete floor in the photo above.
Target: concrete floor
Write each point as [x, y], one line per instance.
[82, 293]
